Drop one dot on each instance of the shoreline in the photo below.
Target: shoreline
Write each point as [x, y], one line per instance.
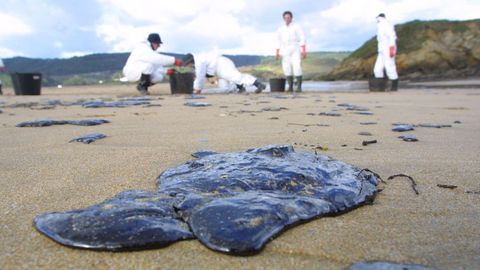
[309, 86]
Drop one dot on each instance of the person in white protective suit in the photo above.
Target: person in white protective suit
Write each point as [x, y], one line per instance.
[2, 69]
[207, 65]
[386, 38]
[147, 65]
[292, 47]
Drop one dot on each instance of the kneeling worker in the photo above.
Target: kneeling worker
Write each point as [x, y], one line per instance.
[146, 65]
[211, 64]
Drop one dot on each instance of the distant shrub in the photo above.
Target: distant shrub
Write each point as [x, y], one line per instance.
[75, 80]
[6, 80]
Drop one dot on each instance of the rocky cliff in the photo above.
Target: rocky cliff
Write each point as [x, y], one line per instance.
[426, 50]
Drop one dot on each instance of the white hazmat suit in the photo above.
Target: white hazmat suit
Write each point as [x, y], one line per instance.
[2, 68]
[290, 39]
[214, 64]
[386, 38]
[144, 60]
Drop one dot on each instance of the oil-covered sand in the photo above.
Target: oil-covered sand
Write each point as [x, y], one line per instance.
[42, 172]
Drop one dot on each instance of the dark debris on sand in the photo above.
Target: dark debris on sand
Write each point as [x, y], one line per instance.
[196, 104]
[378, 265]
[409, 138]
[48, 122]
[254, 195]
[89, 138]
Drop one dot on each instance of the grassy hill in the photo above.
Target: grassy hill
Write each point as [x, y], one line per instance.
[315, 66]
[426, 50]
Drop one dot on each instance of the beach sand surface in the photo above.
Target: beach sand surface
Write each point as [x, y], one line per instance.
[41, 172]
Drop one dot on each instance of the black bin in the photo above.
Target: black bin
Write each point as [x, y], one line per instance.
[182, 83]
[377, 84]
[277, 84]
[26, 83]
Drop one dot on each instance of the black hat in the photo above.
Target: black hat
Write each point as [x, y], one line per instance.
[381, 15]
[154, 38]
[187, 59]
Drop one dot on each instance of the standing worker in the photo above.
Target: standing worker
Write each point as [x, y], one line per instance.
[2, 69]
[146, 65]
[211, 64]
[292, 47]
[387, 49]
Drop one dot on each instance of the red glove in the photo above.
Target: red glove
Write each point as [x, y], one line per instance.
[178, 62]
[304, 51]
[277, 54]
[392, 51]
[170, 71]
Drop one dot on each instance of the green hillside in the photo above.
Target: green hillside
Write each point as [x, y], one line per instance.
[426, 50]
[315, 66]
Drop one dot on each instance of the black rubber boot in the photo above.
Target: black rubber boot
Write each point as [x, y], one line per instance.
[298, 82]
[290, 83]
[394, 85]
[144, 83]
[260, 86]
[241, 88]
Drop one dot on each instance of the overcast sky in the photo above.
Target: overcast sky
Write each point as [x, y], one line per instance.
[61, 28]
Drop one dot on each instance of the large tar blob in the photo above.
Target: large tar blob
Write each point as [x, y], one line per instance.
[233, 202]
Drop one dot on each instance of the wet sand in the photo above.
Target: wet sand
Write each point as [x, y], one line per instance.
[42, 172]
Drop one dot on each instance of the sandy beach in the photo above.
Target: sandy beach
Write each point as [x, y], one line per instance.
[42, 172]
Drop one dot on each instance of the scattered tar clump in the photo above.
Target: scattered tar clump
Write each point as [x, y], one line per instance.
[330, 114]
[47, 122]
[402, 127]
[114, 104]
[376, 265]
[197, 104]
[408, 138]
[89, 138]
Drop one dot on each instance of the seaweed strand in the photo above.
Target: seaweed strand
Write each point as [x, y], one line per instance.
[414, 184]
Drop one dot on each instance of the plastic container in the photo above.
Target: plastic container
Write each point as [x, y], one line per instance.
[182, 83]
[377, 84]
[27, 83]
[277, 84]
